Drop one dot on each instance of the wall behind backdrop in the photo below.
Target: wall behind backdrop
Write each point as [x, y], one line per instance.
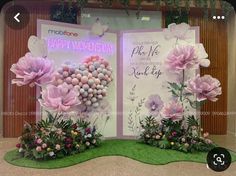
[22, 99]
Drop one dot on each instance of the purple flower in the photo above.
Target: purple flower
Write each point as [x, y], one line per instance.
[60, 98]
[32, 70]
[178, 31]
[174, 133]
[182, 57]
[154, 104]
[174, 111]
[204, 87]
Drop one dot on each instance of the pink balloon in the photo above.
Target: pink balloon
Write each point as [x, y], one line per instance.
[73, 75]
[78, 76]
[66, 68]
[65, 74]
[97, 81]
[84, 79]
[75, 81]
[60, 81]
[90, 75]
[68, 80]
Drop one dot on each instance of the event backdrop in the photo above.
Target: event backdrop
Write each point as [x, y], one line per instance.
[137, 58]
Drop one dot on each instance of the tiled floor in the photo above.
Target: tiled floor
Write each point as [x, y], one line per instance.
[116, 165]
[226, 141]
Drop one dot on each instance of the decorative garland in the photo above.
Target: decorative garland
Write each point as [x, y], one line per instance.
[178, 5]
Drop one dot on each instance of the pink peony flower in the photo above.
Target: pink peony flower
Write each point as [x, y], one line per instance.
[32, 70]
[174, 133]
[154, 104]
[39, 141]
[60, 98]
[182, 57]
[44, 145]
[38, 149]
[178, 31]
[87, 143]
[208, 141]
[173, 111]
[205, 135]
[58, 147]
[204, 87]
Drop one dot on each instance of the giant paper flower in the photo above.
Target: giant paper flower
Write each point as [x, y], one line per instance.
[202, 55]
[154, 104]
[174, 111]
[178, 31]
[32, 70]
[182, 57]
[204, 87]
[59, 98]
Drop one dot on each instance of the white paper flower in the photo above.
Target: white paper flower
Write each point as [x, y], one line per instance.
[37, 46]
[178, 31]
[202, 55]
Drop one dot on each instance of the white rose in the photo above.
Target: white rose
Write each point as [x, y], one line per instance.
[51, 153]
[21, 150]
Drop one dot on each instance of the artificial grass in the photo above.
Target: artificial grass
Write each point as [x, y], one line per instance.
[127, 148]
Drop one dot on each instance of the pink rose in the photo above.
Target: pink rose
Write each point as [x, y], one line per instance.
[208, 141]
[173, 111]
[58, 147]
[18, 145]
[38, 149]
[204, 87]
[181, 58]
[205, 135]
[39, 141]
[44, 145]
[87, 143]
[32, 70]
[60, 98]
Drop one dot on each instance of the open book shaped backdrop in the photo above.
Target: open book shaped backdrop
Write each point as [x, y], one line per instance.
[137, 59]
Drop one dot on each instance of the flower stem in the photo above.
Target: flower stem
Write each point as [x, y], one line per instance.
[182, 87]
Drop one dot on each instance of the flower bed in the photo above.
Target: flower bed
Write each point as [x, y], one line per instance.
[55, 138]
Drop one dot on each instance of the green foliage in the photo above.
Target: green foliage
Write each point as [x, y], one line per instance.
[82, 123]
[164, 144]
[55, 137]
[173, 135]
[191, 121]
[172, 5]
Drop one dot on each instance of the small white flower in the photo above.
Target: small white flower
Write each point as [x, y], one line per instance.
[21, 150]
[89, 135]
[51, 154]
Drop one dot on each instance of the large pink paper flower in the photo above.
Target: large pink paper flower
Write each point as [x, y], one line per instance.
[178, 31]
[32, 70]
[174, 111]
[154, 105]
[204, 87]
[182, 57]
[61, 98]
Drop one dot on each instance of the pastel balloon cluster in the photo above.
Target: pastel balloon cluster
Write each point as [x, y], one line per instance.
[91, 78]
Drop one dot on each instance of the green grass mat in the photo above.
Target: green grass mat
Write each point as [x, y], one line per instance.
[127, 148]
